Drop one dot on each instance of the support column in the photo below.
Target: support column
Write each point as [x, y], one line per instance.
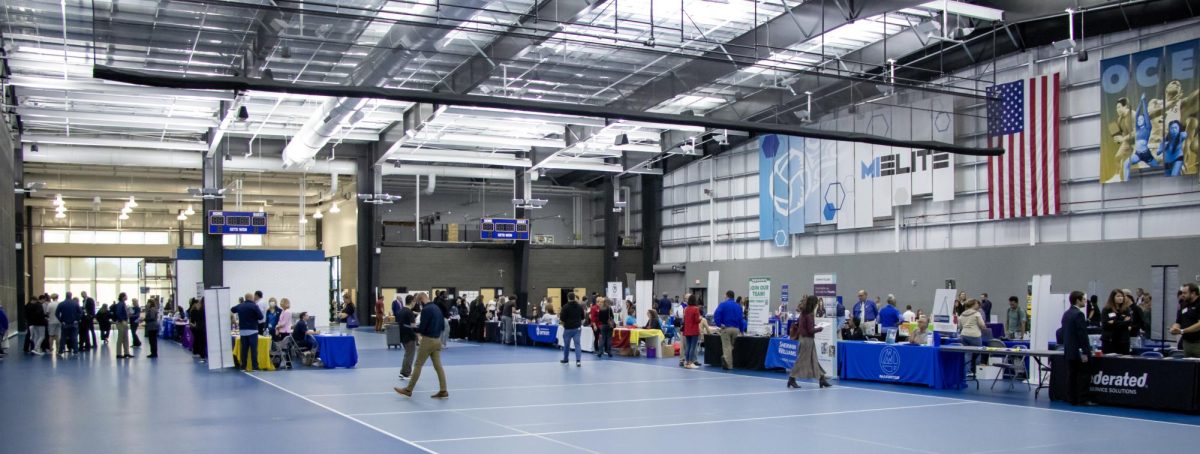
[214, 246]
[611, 242]
[521, 248]
[651, 222]
[369, 181]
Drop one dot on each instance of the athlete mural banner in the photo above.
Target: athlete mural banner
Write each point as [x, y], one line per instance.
[1149, 112]
[806, 181]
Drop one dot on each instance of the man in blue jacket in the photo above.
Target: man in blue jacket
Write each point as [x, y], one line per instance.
[430, 329]
[249, 316]
[728, 317]
[69, 314]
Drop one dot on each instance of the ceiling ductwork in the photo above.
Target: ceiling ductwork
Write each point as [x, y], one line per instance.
[452, 172]
[401, 44]
[171, 159]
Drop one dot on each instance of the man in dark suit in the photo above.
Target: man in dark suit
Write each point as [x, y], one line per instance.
[1076, 349]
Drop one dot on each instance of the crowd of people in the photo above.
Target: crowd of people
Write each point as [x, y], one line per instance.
[67, 326]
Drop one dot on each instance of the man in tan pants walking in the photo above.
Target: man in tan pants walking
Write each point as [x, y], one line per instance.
[431, 327]
[729, 318]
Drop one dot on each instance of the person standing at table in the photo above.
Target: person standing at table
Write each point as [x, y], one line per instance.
[397, 303]
[909, 316]
[272, 315]
[135, 318]
[664, 309]
[249, 318]
[406, 321]
[120, 315]
[1015, 318]
[1187, 321]
[691, 333]
[1114, 325]
[971, 328]
[152, 326]
[605, 321]
[889, 316]
[985, 305]
[1076, 350]
[262, 307]
[87, 333]
[430, 328]
[865, 313]
[283, 326]
[571, 318]
[806, 365]
[508, 331]
[728, 318]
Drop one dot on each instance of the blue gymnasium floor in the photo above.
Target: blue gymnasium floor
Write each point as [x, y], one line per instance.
[521, 400]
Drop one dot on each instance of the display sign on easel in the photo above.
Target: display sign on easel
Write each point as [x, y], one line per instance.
[760, 306]
[943, 310]
[612, 291]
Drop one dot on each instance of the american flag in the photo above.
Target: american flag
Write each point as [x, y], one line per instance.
[1023, 120]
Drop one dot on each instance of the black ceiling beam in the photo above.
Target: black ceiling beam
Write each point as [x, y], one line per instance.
[802, 22]
[246, 84]
[479, 68]
[938, 59]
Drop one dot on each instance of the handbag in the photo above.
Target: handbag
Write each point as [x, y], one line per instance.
[351, 321]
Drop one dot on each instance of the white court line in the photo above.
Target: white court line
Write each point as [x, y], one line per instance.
[1030, 407]
[673, 380]
[531, 434]
[571, 404]
[389, 434]
[696, 423]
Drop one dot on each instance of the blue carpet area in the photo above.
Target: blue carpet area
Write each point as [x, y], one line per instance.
[521, 399]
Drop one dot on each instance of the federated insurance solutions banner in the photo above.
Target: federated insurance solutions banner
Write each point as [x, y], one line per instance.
[812, 181]
[1149, 110]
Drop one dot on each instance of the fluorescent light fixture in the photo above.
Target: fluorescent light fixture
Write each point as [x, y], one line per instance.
[335, 209]
[132, 202]
[126, 210]
[58, 201]
[60, 215]
[60, 209]
[965, 9]
[181, 217]
[189, 211]
[123, 217]
[318, 215]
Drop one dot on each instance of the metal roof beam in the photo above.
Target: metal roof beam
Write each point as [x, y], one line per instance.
[479, 68]
[783, 31]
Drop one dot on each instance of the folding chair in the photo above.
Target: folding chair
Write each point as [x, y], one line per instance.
[1009, 366]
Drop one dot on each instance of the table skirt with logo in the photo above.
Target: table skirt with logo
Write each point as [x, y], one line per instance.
[901, 363]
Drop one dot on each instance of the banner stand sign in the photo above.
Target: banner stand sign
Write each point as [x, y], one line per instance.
[943, 310]
[760, 306]
[826, 341]
[825, 288]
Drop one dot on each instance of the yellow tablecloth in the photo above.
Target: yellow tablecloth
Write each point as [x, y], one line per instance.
[637, 333]
[264, 353]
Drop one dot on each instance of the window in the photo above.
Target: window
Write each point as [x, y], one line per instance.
[102, 277]
[105, 237]
[230, 240]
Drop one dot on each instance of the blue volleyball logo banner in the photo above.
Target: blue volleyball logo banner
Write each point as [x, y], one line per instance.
[787, 187]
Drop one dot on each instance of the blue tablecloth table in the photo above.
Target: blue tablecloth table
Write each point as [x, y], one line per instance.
[337, 351]
[901, 363]
[546, 334]
[781, 353]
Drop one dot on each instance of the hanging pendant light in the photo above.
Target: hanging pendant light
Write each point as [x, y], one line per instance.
[318, 215]
[335, 209]
[190, 211]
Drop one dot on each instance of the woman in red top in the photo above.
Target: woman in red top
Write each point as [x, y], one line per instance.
[379, 314]
[691, 332]
[806, 356]
[593, 317]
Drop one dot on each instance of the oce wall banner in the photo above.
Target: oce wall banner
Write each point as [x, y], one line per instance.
[1149, 111]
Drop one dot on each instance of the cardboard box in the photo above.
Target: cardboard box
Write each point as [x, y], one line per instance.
[668, 350]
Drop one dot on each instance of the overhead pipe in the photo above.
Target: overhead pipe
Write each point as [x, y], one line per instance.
[432, 184]
[450, 172]
[171, 159]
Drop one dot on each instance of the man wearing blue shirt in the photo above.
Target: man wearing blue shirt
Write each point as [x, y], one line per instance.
[430, 329]
[664, 309]
[69, 314]
[889, 316]
[728, 317]
[865, 313]
[249, 316]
